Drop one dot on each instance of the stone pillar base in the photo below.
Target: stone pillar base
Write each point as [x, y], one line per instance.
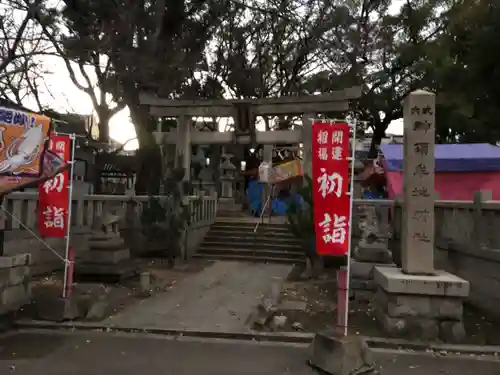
[366, 256]
[108, 259]
[362, 275]
[428, 307]
[374, 252]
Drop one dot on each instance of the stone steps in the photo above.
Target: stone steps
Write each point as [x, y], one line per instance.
[244, 258]
[250, 227]
[263, 245]
[231, 237]
[246, 251]
[235, 239]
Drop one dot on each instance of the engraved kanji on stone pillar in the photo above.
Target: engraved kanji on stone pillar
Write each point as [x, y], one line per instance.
[418, 183]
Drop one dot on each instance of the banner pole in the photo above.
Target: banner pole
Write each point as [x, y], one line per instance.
[2, 228]
[67, 267]
[351, 193]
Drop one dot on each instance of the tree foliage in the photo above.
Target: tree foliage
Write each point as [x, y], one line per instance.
[465, 73]
[255, 49]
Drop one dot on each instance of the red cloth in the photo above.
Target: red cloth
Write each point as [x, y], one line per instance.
[453, 185]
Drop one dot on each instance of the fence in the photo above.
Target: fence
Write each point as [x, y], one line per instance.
[20, 223]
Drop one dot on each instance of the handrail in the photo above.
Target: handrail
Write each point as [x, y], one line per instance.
[263, 211]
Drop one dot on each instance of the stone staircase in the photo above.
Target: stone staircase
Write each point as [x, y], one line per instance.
[233, 238]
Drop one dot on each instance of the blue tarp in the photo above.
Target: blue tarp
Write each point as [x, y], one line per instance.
[471, 157]
[278, 206]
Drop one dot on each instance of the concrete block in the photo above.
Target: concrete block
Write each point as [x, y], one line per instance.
[13, 297]
[339, 355]
[448, 308]
[400, 306]
[13, 276]
[101, 236]
[359, 284]
[452, 332]
[375, 252]
[408, 327]
[393, 280]
[364, 270]
[14, 261]
[106, 256]
[115, 243]
[57, 309]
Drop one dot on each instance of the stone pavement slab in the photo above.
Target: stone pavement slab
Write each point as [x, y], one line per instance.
[412, 363]
[101, 353]
[220, 298]
[108, 354]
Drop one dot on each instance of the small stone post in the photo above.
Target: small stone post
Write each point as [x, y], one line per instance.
[418, 184]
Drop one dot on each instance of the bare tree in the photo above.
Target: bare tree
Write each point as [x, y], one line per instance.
[89, 69]
[269, 51]
[21, 45]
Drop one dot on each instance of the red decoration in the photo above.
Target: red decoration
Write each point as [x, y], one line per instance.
[330, 174]
[54, 194]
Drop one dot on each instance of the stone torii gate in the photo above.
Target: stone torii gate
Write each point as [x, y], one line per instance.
[244, 113]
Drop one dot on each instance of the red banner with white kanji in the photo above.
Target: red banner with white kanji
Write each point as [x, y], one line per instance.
[53, 194]
[330, 175]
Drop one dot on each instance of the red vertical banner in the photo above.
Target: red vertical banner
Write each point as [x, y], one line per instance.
[330, 175]
[53, 194]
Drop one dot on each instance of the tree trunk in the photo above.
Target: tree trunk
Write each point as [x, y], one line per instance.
[148, 156]
[378, 135]
[103, 127]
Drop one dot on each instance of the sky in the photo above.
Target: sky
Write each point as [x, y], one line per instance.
[62, 95]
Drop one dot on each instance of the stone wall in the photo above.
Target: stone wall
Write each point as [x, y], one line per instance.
[14, 287]
[481, 267]
[46, 258]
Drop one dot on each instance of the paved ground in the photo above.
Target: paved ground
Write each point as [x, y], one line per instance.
[405, 363]
[78, 353]
[220, 298]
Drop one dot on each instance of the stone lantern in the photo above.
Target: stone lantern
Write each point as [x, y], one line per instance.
[227, 176]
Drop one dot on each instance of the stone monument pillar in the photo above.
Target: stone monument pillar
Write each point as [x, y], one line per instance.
[418, 300]
[418, 186]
